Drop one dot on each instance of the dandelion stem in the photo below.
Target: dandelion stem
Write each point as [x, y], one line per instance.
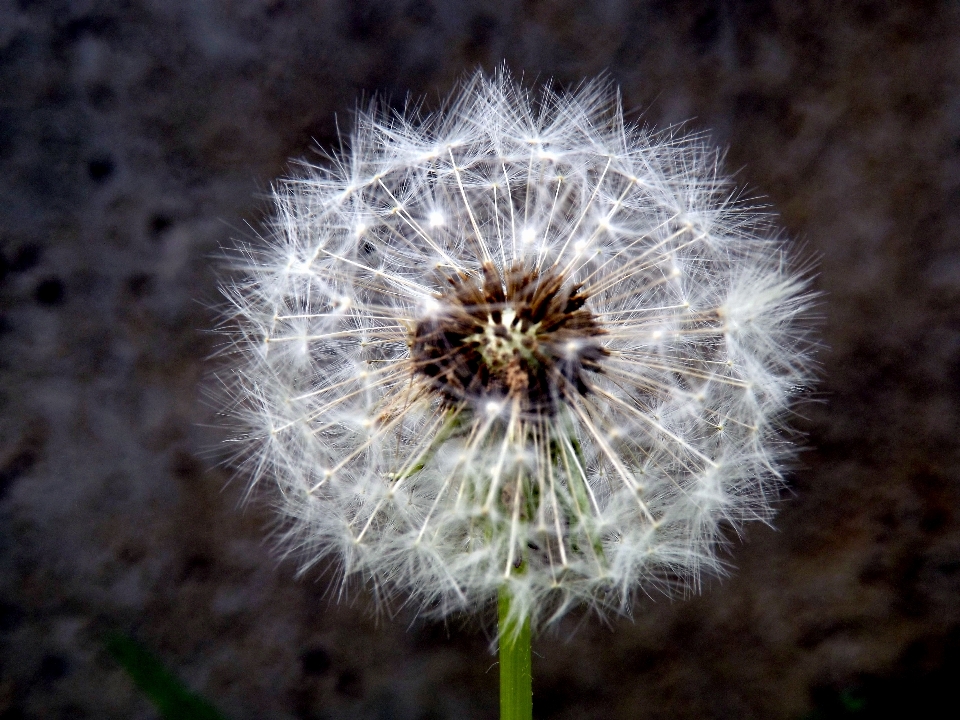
[516, 693]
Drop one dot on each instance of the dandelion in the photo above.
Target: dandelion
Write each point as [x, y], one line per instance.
[517, 349]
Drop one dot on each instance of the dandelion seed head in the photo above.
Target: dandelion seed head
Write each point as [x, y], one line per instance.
[518, 343]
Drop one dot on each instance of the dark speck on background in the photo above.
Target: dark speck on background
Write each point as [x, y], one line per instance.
[50, 292]
[100, 169]
[315, 661]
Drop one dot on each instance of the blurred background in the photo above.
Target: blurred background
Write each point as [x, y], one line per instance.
[139, 136]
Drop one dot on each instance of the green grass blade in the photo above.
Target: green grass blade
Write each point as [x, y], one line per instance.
[171, 697]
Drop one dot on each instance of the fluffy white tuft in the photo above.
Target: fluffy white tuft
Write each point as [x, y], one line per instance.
[618, 488]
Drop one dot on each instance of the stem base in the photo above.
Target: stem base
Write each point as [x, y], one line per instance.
[516, 687]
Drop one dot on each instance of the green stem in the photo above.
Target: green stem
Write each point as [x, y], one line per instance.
[516, 692]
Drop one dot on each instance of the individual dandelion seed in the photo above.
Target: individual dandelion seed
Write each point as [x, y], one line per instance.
[517, 347]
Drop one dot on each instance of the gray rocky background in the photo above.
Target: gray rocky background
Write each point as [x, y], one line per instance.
[138, 136]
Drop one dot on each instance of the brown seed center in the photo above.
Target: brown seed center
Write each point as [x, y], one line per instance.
[520, 333]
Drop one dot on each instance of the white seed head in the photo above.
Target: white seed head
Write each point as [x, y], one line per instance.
[517, 343]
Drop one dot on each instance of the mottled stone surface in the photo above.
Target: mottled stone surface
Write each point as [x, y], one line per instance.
[138, 136]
